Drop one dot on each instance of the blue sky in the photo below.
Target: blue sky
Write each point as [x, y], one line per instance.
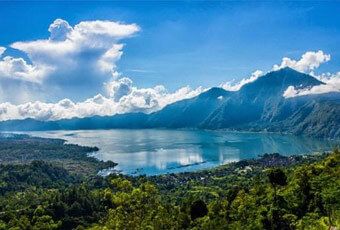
[194, 43]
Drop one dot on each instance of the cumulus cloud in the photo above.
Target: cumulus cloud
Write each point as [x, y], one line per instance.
[19, 69]
[125, 98]
[232, 86]
[308, 62]
[133, 99]
[74, 61]
[59, 30]
[332, 84]
[73, 64]
[119, 88]
[2, 50]
[153, 99]
[77, 62]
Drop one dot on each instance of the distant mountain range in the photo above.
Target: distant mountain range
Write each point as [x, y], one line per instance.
[257, 106]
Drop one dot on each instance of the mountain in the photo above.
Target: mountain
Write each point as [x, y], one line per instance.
[316, 116]
[189, 113]
[257, 106]
[259, 100]
[129, 120]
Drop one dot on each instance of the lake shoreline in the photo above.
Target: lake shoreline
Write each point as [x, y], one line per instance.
[23, 149]
[161, 151]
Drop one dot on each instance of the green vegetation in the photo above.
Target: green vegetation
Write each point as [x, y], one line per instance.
[23, 149]
[273, 192]
[37, 174]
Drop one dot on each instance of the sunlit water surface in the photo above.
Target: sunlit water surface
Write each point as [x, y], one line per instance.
[153, 151]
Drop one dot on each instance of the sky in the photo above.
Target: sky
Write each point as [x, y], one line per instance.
[75, 59]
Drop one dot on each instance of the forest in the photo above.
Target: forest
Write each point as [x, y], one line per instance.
[271, 192]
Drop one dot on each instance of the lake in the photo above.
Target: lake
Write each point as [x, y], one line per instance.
[155, 151]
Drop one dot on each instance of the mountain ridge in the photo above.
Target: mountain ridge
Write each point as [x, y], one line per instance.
[257, 106]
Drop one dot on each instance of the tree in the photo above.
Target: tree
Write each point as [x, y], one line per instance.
[198, 209]
[277, 177]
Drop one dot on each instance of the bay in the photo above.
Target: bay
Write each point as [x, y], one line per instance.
[157, 151]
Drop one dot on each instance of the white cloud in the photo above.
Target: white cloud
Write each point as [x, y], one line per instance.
[133, 99]
[59, 30]
[77, 62]
[119, 88]
[19, 69]
[107, 29]
[153, 99]
[2, 50]
[80, 58]
[308, 62]
[106, 62]
[332, 84]
[231, 86]
[130, 99]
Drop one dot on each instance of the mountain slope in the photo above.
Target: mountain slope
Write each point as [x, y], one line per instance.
[258, 100]
[129, 120]
[190, 112]
[318, 117]
[257, 106]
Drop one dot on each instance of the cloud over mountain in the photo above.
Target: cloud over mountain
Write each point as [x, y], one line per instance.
[232, 86]
[308, 62]
[75, 70]
[73, 64]
[332, 84]
[135, 100]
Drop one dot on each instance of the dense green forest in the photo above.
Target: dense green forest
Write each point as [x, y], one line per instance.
[272, 192]
[22, 149]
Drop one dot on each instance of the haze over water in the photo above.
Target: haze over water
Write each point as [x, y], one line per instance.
[154, 151]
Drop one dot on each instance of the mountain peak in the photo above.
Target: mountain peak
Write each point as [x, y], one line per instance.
[280, 80]
[287, 69]
[214, 92]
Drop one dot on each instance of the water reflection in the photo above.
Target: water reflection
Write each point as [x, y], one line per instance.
[166, 151]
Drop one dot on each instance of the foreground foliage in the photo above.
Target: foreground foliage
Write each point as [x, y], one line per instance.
[273, 192]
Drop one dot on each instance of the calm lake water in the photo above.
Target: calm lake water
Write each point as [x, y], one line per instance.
[166, 151]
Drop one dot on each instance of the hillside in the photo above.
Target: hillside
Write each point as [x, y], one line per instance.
[271, 192]
[257, 106]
